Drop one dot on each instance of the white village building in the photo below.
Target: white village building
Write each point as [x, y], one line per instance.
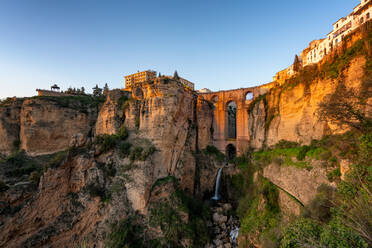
[319, 48]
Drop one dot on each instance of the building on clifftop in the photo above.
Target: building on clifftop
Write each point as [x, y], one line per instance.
[149, 75]
[318, 49]
[139, 77]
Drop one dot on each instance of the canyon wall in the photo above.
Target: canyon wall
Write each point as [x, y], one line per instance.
[291, 112]
[89, 189]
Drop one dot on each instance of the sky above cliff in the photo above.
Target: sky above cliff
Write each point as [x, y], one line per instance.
[215, 44]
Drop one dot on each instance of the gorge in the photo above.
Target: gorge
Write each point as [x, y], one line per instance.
[139, 168]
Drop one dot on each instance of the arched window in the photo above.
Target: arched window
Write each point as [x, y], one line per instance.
[230, 151]
[249, 96]
[231, 120]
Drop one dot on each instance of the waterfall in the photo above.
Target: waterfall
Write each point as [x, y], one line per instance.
[216, 196]
[234, 235]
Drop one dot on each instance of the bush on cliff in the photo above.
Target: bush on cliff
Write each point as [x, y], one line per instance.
[109, 142]
[3, 186]
[305, 232]
[180, 217]
[212, 150]
[128, 232]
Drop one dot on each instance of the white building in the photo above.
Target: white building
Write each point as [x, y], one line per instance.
[319, 48]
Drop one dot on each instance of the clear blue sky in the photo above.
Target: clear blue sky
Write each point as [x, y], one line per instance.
[217, 44]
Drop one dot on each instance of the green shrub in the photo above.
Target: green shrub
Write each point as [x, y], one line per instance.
[122, 133]
[136, 153]
[334, 174]
[147, 152]
[35, 177]
[301, 233]
[98, 191]
[320, 207]
[17, 158]
[109, 142]
[212, 150]
[271, 194]
[57, 160]
[305, 232]
[336, 234]
[168, 215]
[301, 155]
[3, 186]
[20, 164]
[108, 170]
[106, 141]
[162, 181]
[283, 144]
[126, 233]
[16, 144]
[124, 149]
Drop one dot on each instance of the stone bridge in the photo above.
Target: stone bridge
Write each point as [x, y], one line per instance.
[230, 119]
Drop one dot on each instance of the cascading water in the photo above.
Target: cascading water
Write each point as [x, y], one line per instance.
[234, 233]
[216, 196]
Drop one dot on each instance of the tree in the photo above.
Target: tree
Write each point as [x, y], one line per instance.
[106, 89]
[82, 90]
[97, 91]
[348, 107]
[69, 90]
[159, 75]
[175, 75]
[296, 64]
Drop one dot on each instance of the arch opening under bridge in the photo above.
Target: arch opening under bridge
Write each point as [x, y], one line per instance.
[231, 117]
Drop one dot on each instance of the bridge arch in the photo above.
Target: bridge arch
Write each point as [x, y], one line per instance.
[230, 151]
[231, 108]
[249, 96]
[239, 135]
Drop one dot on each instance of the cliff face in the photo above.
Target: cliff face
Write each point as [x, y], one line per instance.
[86, 190]
[49, 127]
[290, 112]
[102, 162]
[9, 126]
[45, 125]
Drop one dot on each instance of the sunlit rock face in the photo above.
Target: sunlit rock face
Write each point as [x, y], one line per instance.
[49, 126]
[291, 114]
[9, 126]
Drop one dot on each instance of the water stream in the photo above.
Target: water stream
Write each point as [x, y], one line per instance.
[216, 196]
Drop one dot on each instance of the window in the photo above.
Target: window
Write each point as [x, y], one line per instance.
[361, 20]
[367, 16]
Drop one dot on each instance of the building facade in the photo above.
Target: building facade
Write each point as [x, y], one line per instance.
[139, 77]
[149, 75]
[319, 48]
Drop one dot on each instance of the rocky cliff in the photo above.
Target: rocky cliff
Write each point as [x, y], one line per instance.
[290, 112]
[136, 168]
[98, 163]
